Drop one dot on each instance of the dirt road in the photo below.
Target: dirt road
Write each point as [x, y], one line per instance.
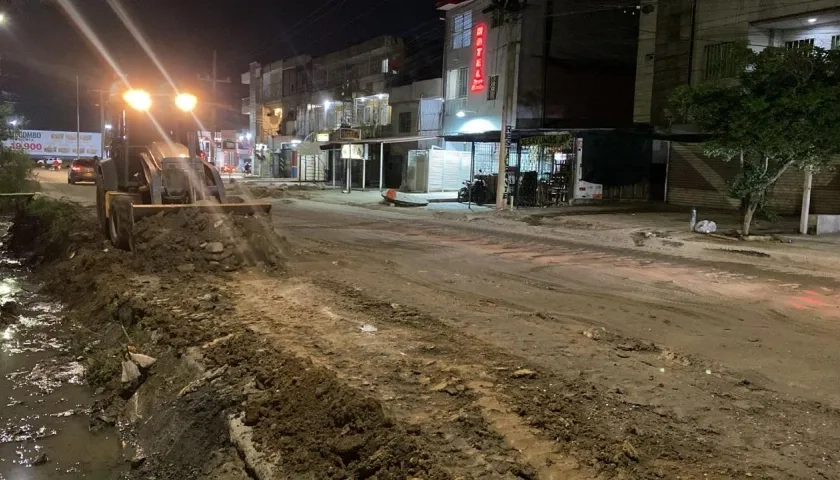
[503, 354]
[686, 368]
[54, 183]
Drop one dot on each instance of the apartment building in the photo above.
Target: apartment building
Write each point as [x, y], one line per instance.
[690, 41]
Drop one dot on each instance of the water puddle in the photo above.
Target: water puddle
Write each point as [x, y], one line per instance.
[44, 403]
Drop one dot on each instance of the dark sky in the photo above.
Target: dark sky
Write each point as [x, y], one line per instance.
[43, 48]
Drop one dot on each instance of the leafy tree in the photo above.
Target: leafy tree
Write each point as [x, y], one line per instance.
[15, 166]
[780, 112]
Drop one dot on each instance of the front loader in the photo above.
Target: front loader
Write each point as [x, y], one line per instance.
[149, 169]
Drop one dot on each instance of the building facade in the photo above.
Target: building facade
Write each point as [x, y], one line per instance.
[568, 64]
[688, 41]
[305, 112]
[691, 41]
[562, 67]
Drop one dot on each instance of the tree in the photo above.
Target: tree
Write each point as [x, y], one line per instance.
[15, 166]
[780, 112]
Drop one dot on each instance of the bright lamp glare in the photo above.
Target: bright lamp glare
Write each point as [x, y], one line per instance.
[186, 102]
[138, 99]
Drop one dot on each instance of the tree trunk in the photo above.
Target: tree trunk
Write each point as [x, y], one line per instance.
[749, 212]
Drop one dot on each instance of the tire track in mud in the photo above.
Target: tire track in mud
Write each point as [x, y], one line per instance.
[412, 371]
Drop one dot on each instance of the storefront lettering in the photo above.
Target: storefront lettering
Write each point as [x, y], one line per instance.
[477, 83]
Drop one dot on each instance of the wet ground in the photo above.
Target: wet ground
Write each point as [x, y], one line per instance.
[44, 404]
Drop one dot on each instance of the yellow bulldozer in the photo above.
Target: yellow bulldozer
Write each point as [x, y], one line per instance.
[152, 165]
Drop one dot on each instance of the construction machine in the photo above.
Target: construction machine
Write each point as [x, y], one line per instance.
[153, 165]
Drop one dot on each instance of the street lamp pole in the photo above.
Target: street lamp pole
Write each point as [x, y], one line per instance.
[78, 120]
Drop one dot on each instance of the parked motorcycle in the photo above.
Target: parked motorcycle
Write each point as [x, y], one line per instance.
[475, 191]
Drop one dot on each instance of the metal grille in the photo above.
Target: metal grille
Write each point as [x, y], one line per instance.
[543, 176]
[720, 61]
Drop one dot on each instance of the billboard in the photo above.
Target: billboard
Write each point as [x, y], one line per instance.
[50, 143]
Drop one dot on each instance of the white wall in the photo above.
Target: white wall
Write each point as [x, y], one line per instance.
[821, 34]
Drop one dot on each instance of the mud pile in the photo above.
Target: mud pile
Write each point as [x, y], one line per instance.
[316, 423]
[189, 241]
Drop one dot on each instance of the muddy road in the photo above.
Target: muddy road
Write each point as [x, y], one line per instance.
[704, 368]
[376, 343]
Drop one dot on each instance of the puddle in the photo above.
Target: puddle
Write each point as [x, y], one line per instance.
[44, 403]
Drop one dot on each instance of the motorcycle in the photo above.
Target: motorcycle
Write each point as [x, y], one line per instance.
[475, 191]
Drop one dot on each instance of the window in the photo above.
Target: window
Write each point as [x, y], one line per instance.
[497, 18]
[461, 29]
[456, 83]
[493, 89]
[805, 43]
[405, 122]
[385, 65]
[835, 42]
[720, 61]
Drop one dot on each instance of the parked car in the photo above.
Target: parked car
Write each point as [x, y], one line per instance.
[81, 170]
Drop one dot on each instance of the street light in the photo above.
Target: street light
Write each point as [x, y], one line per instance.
[138, 99]
[2, 18]
[108, 126]
[186, 102]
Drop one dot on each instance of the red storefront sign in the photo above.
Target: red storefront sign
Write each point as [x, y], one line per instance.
[477, 83]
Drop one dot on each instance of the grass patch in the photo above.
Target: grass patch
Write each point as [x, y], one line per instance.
[44, 229]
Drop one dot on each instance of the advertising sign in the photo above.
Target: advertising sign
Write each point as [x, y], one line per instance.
[354, 152]
[50, 143]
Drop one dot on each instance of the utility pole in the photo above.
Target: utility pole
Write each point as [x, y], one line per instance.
[101, 120]
[214, 80]
[507, 107]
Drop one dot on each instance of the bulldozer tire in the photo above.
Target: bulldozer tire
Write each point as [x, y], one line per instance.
[100, 206]
[119, 223]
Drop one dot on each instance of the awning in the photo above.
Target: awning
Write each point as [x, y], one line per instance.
[333, 145]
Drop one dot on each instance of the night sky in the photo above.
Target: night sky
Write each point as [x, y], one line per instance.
[43, 50]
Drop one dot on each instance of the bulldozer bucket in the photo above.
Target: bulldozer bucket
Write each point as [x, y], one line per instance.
[123, 215]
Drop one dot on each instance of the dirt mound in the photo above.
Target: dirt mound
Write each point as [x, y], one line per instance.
[189, 240]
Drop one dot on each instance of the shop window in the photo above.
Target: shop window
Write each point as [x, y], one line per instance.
[405, 122]
[720, 61]
[461, 29]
